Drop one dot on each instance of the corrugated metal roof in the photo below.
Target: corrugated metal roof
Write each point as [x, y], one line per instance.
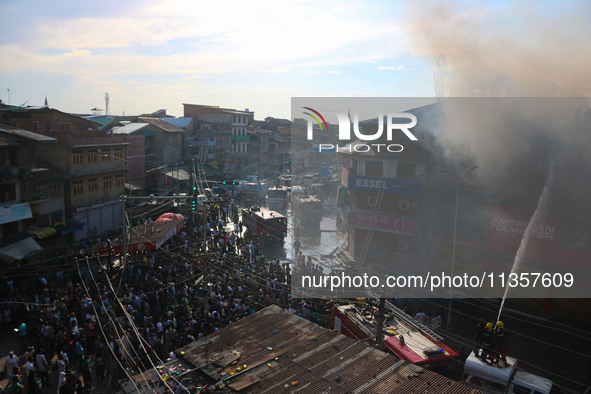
[29, 135]
[103, 120]
[284, 353]
[162, 125]
[129, 128]
[179, 122]
[278, 352]
[201, 109]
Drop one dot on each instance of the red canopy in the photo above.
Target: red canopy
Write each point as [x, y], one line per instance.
[165, 217]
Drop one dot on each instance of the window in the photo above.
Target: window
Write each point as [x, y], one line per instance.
[118, 154]
[406, 170]
[65, 126]
[92, 156]
[92, 185]
[42, 191]
[105, 156]
[7, 192]
[78, 188]
[353, 169]
[55, 190]
[119, 181]
[373, 168]
[78, 158]
[107, 183]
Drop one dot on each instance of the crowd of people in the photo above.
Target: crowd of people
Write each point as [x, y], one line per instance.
[99, 317]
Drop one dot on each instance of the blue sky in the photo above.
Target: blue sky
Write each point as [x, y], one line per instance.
[161, 53]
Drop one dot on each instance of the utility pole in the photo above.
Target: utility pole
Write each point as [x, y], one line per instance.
[123, 232]
[459, 175]
[380, 324]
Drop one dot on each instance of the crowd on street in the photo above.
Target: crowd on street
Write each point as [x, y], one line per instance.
[87, 319]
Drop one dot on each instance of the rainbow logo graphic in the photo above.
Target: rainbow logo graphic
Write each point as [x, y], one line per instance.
[315, 118]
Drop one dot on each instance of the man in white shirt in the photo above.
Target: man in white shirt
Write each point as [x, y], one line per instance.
[11, 362]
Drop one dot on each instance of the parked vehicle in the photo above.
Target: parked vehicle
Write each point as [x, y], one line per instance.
[508, 379]
[264, 223]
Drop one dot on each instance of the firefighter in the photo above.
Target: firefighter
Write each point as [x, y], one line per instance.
[487, 342]
[500, 343]
[479, 331]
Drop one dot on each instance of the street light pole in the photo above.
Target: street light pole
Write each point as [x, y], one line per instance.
[459, 175]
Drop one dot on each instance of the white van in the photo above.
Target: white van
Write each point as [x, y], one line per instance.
[510, 379]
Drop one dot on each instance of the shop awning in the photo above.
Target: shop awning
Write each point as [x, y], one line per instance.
[19, 250]
[69, 226]
[43, 232]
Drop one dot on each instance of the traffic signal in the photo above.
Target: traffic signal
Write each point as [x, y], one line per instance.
[287, 162]
[194, 188]
[193, 204]
[224, 182]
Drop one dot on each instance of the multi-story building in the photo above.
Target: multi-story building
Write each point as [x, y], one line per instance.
[228, 128]
[164, 141]
[279, 153]
[134, 134]
[94, 159]
[378, 201]
[31, 199]
[45, 120]
[259, 159]
[97, 166]
[187, 125]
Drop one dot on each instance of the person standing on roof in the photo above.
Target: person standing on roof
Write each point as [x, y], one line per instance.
[480, 326]
[487, 343]
[500, 343]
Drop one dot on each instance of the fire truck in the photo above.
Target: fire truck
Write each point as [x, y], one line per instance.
[403, 336]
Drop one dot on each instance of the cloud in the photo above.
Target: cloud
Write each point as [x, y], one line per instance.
[194, 77]
[397, 68]
[334, 72]
[185, 35]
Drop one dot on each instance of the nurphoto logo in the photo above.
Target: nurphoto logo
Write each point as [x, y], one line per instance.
[344, 121]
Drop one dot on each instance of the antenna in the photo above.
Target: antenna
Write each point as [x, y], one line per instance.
[107, 103]
[440, 63]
